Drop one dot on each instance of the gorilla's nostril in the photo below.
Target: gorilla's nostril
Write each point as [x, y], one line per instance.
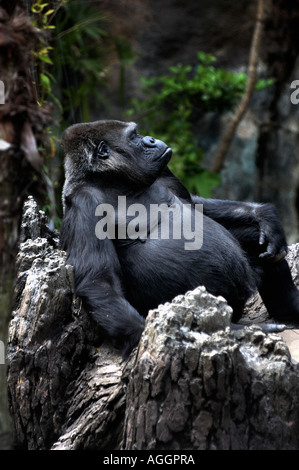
[149, 141]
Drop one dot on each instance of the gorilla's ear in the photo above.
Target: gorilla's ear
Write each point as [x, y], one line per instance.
[102, 150]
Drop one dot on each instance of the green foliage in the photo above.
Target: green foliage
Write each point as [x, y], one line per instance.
[126, 55]
[80, 49]
[173, 102]
[77, 55]
[70, 70]
[42, 14]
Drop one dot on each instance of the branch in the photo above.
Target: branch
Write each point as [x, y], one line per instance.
[229, 132]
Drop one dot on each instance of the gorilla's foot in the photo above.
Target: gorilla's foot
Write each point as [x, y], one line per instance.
[266, 327]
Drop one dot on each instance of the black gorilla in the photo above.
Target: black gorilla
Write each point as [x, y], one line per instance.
[123, 274]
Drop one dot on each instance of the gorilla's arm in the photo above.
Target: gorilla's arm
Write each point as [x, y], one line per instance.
[256, 226]
[97, 271]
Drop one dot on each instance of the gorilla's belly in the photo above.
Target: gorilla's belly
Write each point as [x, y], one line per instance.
[155, 271]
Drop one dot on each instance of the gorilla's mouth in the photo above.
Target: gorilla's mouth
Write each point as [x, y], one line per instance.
[166, 154]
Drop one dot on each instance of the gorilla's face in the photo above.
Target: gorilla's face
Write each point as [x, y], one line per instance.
[114, 148]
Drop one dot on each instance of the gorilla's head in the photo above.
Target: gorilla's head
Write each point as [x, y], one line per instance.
[113, 148]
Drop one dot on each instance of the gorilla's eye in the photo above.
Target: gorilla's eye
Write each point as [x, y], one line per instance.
[102, 150]
[134, 136]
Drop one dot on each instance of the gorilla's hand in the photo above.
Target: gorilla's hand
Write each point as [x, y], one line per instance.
[256, 226]
[271, 235]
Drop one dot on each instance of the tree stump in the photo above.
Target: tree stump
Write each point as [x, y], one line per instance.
[191, 384]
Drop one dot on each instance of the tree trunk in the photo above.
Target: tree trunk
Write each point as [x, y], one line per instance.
[20, 166]
[192, 383]
[9, 226]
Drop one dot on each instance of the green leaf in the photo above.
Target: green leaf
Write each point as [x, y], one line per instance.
[45, 58]
[45, 82]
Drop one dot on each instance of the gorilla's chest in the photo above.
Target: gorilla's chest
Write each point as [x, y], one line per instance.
[158, 236]
[143, 215]
[146, 219]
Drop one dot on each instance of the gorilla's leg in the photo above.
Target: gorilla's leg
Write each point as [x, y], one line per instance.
[278, 291]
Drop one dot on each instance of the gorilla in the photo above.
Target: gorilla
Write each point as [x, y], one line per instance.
[122, 270]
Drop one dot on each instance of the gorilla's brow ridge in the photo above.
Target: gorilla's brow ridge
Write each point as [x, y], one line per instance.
[132, 127]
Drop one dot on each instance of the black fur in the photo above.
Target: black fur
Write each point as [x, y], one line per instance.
[120, 280]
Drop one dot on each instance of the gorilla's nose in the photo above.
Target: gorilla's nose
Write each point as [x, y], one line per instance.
[149, 141]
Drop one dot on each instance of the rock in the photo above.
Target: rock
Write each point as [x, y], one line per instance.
[44, 291]
[34, 224]
[184, 315]
[194, 387]
[57, 377]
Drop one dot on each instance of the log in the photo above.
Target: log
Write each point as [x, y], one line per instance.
[191, 384]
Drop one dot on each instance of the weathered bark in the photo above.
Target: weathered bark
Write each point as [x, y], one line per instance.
[192, 383]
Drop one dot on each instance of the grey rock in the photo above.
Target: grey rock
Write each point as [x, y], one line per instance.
[213, 388]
